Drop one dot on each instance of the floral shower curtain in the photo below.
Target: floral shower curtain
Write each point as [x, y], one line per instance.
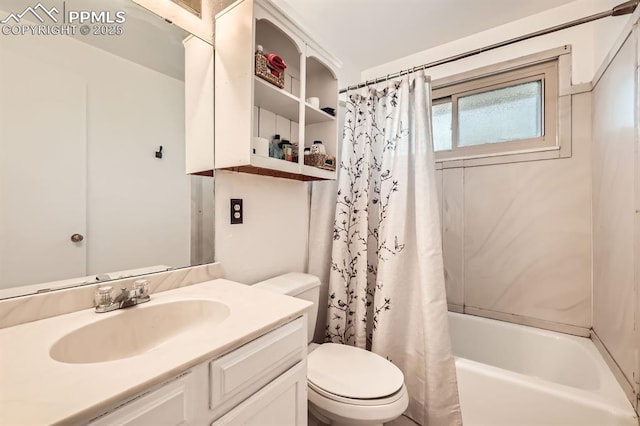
[386, 285]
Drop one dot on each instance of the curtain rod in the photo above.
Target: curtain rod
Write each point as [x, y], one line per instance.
[625, 8]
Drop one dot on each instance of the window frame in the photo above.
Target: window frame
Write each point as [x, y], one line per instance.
[547, 71]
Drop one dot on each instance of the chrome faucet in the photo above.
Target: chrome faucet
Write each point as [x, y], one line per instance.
[105, 302]
[125, 298]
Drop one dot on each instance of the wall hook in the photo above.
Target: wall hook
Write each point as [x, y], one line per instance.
[159, 153]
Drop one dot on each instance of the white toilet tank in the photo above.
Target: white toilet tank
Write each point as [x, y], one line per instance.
[301, 286]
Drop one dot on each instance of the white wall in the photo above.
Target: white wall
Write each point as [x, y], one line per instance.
[138, 206]
[273, 237]
[591, 43]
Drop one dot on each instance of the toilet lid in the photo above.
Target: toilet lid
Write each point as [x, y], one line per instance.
[352, 372]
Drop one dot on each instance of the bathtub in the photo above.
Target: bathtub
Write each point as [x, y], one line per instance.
[512, 375]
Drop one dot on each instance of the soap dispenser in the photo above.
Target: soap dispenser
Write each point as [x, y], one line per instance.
[275, 148]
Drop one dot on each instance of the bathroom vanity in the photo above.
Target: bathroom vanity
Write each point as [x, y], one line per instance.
[218, 353]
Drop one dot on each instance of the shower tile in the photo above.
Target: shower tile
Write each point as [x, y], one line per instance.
[527, 244]
[452, 233]
[614, 212]
[439, 189]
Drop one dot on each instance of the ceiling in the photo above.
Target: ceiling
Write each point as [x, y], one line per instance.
[366, 33]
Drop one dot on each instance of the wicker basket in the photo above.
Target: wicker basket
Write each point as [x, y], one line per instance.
[315, 160]
[264, 72]
[329, 163]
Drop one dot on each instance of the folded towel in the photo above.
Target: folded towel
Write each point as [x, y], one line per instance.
[276, 63]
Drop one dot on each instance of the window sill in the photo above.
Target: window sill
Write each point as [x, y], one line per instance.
[543, 153]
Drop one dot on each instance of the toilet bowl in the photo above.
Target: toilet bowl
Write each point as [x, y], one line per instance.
[346, 385]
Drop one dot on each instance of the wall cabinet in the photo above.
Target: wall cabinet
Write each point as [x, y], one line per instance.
[198, 91]
[261, 383]
[247, 106]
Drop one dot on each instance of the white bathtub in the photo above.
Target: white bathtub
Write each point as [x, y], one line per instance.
[512, 375]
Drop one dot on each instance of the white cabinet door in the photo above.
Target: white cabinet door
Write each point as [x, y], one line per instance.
[43, 170]
[243, 372]
[282, 402]
[171, 405]
[198, 88]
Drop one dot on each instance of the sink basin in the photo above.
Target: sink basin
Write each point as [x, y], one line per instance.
[133, 331]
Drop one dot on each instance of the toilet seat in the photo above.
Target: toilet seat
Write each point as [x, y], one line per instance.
[330, 411]
[353, 401]
[353, 376]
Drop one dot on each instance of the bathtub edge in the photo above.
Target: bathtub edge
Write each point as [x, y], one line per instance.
[620, 377]
[531, 322]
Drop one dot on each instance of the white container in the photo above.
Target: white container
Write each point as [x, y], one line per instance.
[314, 101]
[318, 148]
[261, 146]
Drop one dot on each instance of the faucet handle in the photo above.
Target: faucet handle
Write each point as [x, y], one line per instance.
[103, 296]
[141, 288]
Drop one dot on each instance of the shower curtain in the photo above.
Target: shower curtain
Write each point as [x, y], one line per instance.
[386, 283]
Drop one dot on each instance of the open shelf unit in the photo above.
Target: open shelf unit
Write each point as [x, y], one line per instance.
[247, 106]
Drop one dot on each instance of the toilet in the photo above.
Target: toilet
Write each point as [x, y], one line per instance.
[346, 385]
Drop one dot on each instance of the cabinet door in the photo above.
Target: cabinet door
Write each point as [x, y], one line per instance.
[238, 375]
[282, 402]
[198, 88]
[171, 405]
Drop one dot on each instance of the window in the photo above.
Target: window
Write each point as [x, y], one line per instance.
[509, 112]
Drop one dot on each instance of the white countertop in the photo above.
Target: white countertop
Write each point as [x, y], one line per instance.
[37, 390]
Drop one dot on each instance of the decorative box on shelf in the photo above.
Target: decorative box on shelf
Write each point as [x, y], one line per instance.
[266, 73]
[315, 160]
[321, 161]
[329, 163]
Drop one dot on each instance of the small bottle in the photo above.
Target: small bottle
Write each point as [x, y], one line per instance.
[275, 150]
[287, 150]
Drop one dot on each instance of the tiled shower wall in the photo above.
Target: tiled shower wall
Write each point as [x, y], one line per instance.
[615, 211]
[517, 236]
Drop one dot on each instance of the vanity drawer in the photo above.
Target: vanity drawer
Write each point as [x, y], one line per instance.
[236, 376]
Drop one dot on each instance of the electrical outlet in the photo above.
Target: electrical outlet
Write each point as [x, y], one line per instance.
[236, 211]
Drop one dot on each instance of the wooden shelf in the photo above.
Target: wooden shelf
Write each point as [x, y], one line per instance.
[254, 170]
[314, 115]
[276, 100]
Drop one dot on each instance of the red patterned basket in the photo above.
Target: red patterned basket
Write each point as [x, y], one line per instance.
[264, 72]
